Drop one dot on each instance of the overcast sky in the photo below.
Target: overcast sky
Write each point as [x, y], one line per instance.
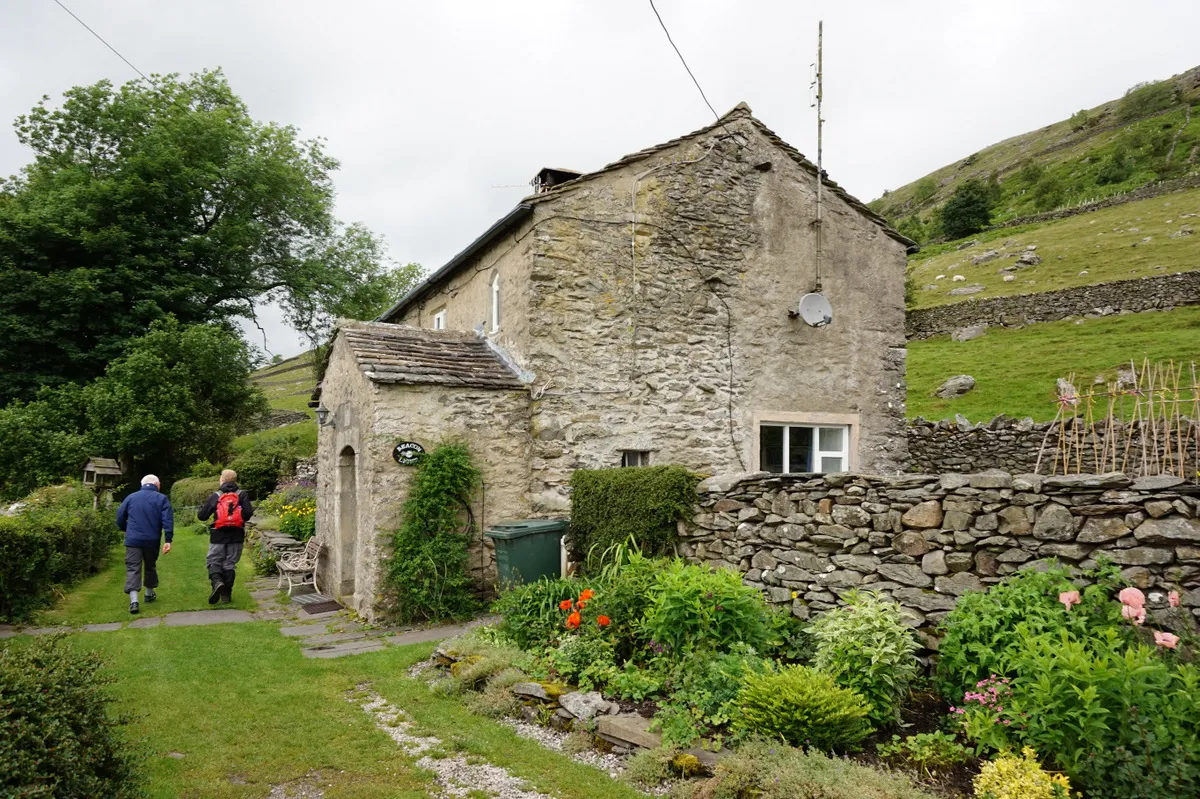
[431, 106]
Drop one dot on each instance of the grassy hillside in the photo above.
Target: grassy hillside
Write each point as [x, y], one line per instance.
[1152, 133]
[288, 384]
[1015, 369]
[1118, 243]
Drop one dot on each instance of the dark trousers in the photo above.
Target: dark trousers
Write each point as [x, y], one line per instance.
[137, 559]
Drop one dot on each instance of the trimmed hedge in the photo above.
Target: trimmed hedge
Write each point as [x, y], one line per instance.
[55, 540]
[57, 738]
[610, 505]
[192, 491]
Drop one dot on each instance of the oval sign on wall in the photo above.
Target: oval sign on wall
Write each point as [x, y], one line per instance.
[407, 453]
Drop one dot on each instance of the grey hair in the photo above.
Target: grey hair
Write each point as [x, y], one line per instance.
[151, 480]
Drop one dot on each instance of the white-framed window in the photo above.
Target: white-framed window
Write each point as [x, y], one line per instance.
[635, 457]
[439, 320]
[793, 448]
[495, 302]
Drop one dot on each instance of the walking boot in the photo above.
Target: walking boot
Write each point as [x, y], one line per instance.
[150, 595]
[133, 607]
[227, 590]
[218, 585]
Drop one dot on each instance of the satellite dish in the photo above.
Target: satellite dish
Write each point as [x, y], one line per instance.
[815, 310]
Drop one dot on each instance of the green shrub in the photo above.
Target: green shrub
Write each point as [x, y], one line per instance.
[289, 493]
[930, 752]
[867, 647]
[696, 608]
[925, 189]
[768, 770]
[55, 540]
[584, 660]
[299, 520]
[191, 492]
[1012, 777]
[625, 597]
[1145, 99]
[1122, 721]
[481, 660]
[530, 616]
[803, 706]
[985, 628]
[968, 211]
[608, 506]
[426, 575]
[57, 736]
[705, 695]
[262, 559]
[1116, 168]
[1080, 120]
[635, 684]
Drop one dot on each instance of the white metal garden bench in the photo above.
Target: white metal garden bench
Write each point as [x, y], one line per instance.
[300, 568]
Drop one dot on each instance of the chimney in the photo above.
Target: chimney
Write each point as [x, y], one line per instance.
[549, 178]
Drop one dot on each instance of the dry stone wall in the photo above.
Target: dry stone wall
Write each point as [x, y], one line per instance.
[1013, 445]
[1121, 296]
[926, 539]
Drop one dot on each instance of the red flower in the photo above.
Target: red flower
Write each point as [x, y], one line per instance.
[574, 620]
[603, 621]
[586, 594]
[580, 605]
[564, 605]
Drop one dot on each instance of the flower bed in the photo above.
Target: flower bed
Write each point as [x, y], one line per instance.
[1052, 681]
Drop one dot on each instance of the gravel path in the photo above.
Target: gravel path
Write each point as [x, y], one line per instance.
[455, 775]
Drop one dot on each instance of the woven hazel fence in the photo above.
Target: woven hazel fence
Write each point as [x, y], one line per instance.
[1144, 423]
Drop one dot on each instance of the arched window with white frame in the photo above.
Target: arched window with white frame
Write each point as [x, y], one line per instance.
[495, 303]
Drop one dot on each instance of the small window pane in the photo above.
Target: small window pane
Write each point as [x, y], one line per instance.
[831, 439]
[831, 465]
[800, 449]
[770, 449]
[635, 457]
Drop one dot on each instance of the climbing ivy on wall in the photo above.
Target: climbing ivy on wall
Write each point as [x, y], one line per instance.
[427, 577]
[608, 506]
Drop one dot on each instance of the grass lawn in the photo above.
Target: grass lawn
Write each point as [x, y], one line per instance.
[289, 384]
[183, 585]
[1015, 370]
[246, 711]
[1100, 243]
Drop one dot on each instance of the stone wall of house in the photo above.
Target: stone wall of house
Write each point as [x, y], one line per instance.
[1014, 445]
[927, 539]
[678, 340]
[1121, 296]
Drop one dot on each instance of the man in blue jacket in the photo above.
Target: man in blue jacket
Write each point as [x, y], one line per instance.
[144, 516]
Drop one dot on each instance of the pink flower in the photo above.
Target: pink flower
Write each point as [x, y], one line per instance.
[1132, 597]
[1173, 599]
[1137, 615]
[1165, 640]
[1069, 598]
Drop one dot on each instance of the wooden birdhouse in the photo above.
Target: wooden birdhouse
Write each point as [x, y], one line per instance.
[101, 474]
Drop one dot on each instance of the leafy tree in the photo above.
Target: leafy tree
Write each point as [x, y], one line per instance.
[1145, 99]
[1049, 192]
[968, 211]
[177, 395]
[153, 199]
[1080, 120]
[913, 227]
[1116, 168]
[1030, 173]
[926, 188]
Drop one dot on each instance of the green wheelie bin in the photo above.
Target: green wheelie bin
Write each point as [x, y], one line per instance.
[528, 549]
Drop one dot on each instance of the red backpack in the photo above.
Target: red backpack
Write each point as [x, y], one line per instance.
[229, 511]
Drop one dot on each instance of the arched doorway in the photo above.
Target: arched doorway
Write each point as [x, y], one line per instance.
[347, 520]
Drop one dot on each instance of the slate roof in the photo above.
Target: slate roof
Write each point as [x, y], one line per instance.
[525, 208]
[103, 465]
[413, 356]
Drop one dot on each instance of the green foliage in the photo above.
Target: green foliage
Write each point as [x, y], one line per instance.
[1080, 120]
[914, 228]
[649, 768]
[1049, 192]
[530, 616]
[695, 608]
[803, 706]
[1116, 168]
[985, 629]
[192, 491]
[1030, 173]
[161, 198]
[767, 770]
[866, 646]
[930, 752]
[968, 211]
[625, 597]
[285, 494]
[926, 188]
[584, 660]
[609, 506]
[1122, 721]
[262, 559]
[635, 683]
[299, 520]
[57, 736]
[788, 638]
[426, 574]
[482, 660]
[705, 695]
[1145, 99]
[54, 541]
[265, 460]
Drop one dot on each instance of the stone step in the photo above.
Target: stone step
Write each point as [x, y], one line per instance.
[341, 650]
[195, 618]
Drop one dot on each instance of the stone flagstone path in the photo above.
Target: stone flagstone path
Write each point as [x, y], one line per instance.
[321, 635]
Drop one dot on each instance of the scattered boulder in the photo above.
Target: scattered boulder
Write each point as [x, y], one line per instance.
[974, 288]
[1029, 258]
[584, 706]
[983, 258]
[955, 387]
[968, 333]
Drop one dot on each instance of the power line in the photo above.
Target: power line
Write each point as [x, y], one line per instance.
[106, 44]
[681, 58]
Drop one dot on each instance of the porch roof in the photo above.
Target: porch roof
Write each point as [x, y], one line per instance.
[389, 353]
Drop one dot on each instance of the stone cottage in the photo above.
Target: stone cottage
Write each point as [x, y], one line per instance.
[640, 314]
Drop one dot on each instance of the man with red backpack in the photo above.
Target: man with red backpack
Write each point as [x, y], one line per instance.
[230, 509]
